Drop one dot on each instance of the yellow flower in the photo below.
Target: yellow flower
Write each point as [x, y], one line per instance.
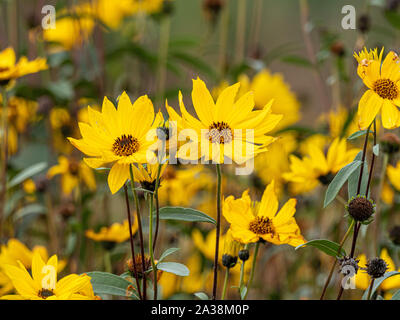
[261, 221]
[384, 89]
[206, 245]
[29, 186]
[73, 27]
[72, 172]
[43, 284]
[393, 174]
[271, 164]
[341, 123]
[147, 175]
[221, 127]
[387, 194]
[118, 136]
[113, 12]
[10, 69]
[363, 280]
[315, 168]
[117, 232]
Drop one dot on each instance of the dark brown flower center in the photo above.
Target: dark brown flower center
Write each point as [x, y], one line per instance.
[125, 145]
[45, 293]
[219, 132]
[3, 69]
[261, 225]
[73, 167]
[386, 89]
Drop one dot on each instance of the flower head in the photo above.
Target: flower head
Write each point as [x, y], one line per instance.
[383, 92]
[262, 221]
[116, 233]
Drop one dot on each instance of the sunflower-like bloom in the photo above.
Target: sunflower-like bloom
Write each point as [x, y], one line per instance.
[43, 284]
[224, 128]
[10, 69]
[363, 280]
[147, 175]
[72, 172]
[117, 232]
[118, 136]
[316, 167]
[262, 221]
[384, 88]
[341, 123]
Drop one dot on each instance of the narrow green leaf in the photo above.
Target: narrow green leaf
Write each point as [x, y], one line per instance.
[396, 296]
[202, 296]
[243, 291]
[167, 252]
[357, 134]
[30, 209]
[340, 179]
[27, 173]
[184, 214]
[329, 247]
[378, 282]
[108, 283]
[174, 267]
[375, 150]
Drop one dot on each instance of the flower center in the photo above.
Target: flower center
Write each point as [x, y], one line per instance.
[45, 293]
[261, 225]
[125, 145]
[219, 132]
[73, 167]
[386, 89]
[2, 69]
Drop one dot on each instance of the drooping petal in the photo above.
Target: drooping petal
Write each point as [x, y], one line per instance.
[119, 173]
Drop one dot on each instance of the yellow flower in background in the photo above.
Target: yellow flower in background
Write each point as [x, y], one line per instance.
[383, 92]
[117, 232]
[393, 174]
[11, 69]
[118, 136]
[387, 194]
[363, 279]
[271, 164]
[146, 175]
[112, 13]
[43, 284]
[216, 137]
[73, 26]
[317, 140]
[252, 222]
[316, 167]
[341, 122]
[147, 6]
[206, 245]
[72, 172]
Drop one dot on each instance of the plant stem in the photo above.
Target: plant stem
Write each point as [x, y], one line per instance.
[140, 229]
[370, 289]
[225, 284]
[334, 263]
[165, 26]
[4, 156]
[241, 279]
[223, 40]
[240, 30]
[128, 211]
[157, 205]
[253, 267]
[219, 178]
[151, 250]
[107, 261]
[363, 160]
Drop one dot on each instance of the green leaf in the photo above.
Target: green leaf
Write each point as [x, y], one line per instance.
[353, 179]
[357, 134]
[30, 209]
[378, 282]
[243, 291]
[27, 173]
[396, 296]
[393, 18]
[202, 296]
[61, 89]
[108, 283]
[174, 267]
[167, 253]
[340, 179]
[329, 247]
[375, 150]
[184, 214]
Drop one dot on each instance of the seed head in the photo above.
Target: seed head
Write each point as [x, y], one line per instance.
[228, 261]
[244, 254]
[361, 208]
[346, 263]
[394, 235]
[376, 268]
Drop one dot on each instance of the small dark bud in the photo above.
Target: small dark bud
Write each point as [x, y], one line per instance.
[348, 265]
[337, 49]
[244, 255]
[228, 261]
[108, 245]
[150, 186]
[163, 133]
[376, 268]
[41, 183]
[67, 210]
[394, 235]
[364, 23]
[390, 143]
[361, 208]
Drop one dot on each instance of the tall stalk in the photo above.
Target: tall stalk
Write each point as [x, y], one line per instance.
[135, 196]
[151, 250]
[219, 178]
[4, 156]
[253, 268]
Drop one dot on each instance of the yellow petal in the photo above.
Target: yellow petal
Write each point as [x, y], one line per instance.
[119, 173]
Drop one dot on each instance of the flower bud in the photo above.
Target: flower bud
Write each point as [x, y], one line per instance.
[244, 254]
[376, 268]
[394, 235]
[364, 23]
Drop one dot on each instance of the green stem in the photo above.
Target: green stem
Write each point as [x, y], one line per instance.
[107, 261]
[219, 178]
[135, 196]
[334, 263]
[370, 289]
[253, 267]
[225, 284]
[151, 251]
[241, 279]
[157, 185]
